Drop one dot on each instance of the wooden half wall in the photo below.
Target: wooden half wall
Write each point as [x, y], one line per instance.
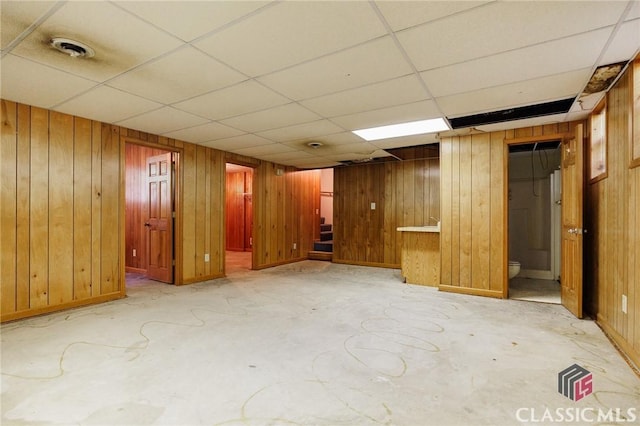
[62, 239]
[286, 211]
[473, 237]
[405, 193]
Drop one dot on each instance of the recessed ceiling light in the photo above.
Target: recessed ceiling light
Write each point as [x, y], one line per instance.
[314, 144]
[73, 48]
[403, 129]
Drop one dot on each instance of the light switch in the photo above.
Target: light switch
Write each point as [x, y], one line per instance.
[206, 257]
[373, 206]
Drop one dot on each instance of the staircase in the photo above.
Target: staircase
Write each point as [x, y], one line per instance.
[323, 249]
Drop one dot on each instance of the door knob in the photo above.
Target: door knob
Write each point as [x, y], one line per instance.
[147, 224]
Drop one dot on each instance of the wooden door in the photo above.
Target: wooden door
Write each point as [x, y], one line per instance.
[248, 211]
[160, 218]
[572, 231]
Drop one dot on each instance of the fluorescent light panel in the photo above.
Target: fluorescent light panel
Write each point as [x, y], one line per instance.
[403, 129]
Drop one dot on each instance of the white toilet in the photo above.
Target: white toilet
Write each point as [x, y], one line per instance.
[514, 268]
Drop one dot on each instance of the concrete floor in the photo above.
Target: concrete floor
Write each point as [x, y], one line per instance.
[534, 290]
[311, 343]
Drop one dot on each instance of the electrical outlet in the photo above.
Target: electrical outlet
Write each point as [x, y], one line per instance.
[373, 206]
[134, 252]
[295, 246]
[624, 303]
[206, 257]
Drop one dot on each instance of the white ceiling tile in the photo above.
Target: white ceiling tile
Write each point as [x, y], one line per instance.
[316, 163]
[292, 32]
[272, 148]
[519, 24]
[634, 12]
[17, 16]
[281, 116]
[292, 156]
[190, 19]
[405, 14]
[369, 63]
[238, 142]
[204, 133]
[398, 114]
[518, 65]
[587, 102]
[300, 131]
[356, 157]
[388, 93]
[163, 120]
[362, 148]
[38, 85]
[240, 99]
[114, 105]
[625, 43]
[335, 139]
[516, 94]
[120, 40]
[179, 75]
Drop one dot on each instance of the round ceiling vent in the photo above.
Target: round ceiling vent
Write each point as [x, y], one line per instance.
[314, 144]
[73, 48]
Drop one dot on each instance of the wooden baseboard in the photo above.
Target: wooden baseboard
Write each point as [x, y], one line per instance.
[627, 351]
[62, 307]
[200, 279]
[471, 291]
[132, 270]
[282, 262]
[374, 264]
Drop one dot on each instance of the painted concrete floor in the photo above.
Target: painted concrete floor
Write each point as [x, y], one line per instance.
[534, 290]
[311, 343]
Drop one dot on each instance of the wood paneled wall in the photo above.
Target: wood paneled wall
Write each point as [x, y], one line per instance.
[406, 193]
[136, 196]
[62, 236]
[238, 210]
[613, 220]
[286, 210]
[60, 202]
[474, 224]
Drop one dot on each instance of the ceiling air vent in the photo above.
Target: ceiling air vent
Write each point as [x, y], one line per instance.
[519, 113]
[73, 48]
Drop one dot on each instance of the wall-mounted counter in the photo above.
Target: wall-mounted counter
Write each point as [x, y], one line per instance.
[420, 259]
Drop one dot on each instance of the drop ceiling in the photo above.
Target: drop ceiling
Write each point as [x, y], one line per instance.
[264, 78]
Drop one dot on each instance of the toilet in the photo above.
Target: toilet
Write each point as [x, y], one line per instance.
[514, 268]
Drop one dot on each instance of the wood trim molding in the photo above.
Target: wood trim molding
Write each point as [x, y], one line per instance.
[626, 350]
[472, 291]
[374, 264]
[201, 279]
[283, 262]
[540, 138]
[178, 185]
[65, 306]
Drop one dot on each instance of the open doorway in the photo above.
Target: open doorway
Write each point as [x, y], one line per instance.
[323, 244]
[238, 218]
[150, 206]
[534, 227]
